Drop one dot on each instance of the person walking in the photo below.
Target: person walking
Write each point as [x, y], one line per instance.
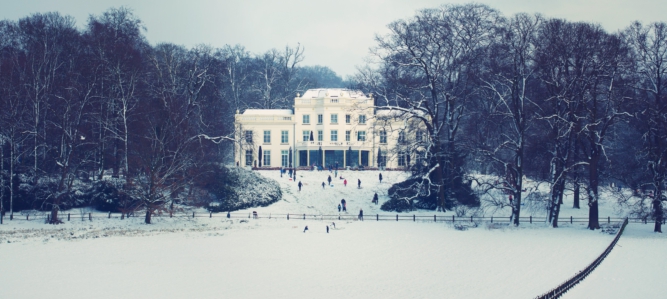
[323, 184]
[300, 186]
[338, 208]
[358, 183]
[380, 178]
[345, 182]
[361, 214]
[329, 179]
[375, 199]
[327, 229]
[342, 201]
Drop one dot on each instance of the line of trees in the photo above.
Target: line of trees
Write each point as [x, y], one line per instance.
[566, 103]
[103, 105]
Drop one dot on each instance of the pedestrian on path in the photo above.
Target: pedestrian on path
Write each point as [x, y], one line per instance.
[323, 184]
[327, 229]
[329, 180]
[300, 186]
[345, 183]
[342, 201]
[375, 199]
[380, 178]
[338, 208]
[361, 214]
[358, 183]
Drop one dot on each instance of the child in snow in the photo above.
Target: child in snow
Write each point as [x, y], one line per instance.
[333, 224]
[300, 186]
[323, 184]
[338, 208]
[345, 183]
[375, 199]
[305, 228]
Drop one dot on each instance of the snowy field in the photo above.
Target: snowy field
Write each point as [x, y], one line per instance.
[255, 258]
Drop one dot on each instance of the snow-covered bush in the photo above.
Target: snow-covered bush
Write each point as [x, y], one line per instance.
[236, 188]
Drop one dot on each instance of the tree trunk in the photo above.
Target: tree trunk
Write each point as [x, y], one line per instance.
[593, 213]
[147, 220]
[576, 195]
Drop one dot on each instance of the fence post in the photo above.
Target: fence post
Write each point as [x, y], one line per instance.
[531, 219]
[171, 214]
[608, 219]
[287, 215]
[109, 215]
[338, 216]
[470, 218]
[210, 215]
[304, 216]
[48, 218]
[570, 219]
[27, 217]
[377, 217]
[193, 214]
[396, 217]
[90, 216]
[11, 216]
[67, 216]
[435, 219]
[453, 218]
[228, 216]
[491, 219]
[414, 218]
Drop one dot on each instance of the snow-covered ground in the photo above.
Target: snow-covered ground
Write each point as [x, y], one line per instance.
[254, 258]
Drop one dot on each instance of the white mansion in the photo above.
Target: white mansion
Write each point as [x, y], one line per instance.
[328, 127]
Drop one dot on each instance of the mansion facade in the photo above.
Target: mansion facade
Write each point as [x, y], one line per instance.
[327, 127]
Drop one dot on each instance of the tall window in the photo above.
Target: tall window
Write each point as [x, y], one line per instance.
[362, 119]
[347, 118]
[334, 135]
[283, 158]
[284, 136]
[383, 136]
[361, 135]
[347, 135]
[401, 137]
[267, 158]
[267, 136]
[320, 135]
[334, 118]
[306, 119]
[248, 136]
[248, 157]
[401, 159]
[320, 119]
[306, 135]
[419, 136]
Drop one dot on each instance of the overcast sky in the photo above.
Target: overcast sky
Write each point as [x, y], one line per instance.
[335, 33]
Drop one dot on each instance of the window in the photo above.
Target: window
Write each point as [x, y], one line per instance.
[362, 119]
[383, 137]
[248, 136]
[267, 158]
[284, 136]
[347, 118]
[347, 135]
[283, 158]
[320, 119]
[306, 135]
[401, 137]
[334, 135]
[320, 135]
[267, 136]
[248, 157]
[334, 118]
[306, 119]
[401, 159]
[361, 136]
[419, 136]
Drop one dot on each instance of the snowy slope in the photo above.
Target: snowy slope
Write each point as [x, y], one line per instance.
[254, 258]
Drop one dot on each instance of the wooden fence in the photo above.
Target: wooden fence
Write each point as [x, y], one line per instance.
[568, 284]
